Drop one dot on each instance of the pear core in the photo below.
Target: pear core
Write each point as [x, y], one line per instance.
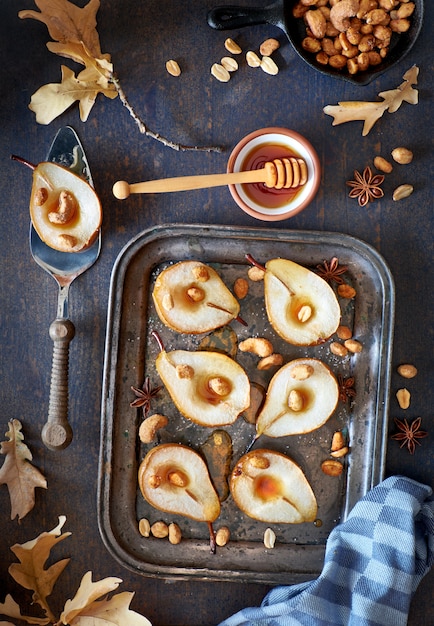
[64, 209]
[175, 479]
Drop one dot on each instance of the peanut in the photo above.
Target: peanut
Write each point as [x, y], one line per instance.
[332, 467]
[229, 64]
[403, 396]
[340, 453]
[173, 68]
[220, 73]
[338, 349]
[295, 400]
[167, 302]
[383, 165]
[219, 385]
[232, 47]
[407, 370]
[200, 273]
[344, 332]
[183, 370]
[401, 192]
[255, 274]
[252, 59]
[353, 345]
[269, 66]
[259, 461]
[241, 288]
[302, 371]
[338, 441]
[144, 527]
[175, 534]
[269, 538]
[304, 313]
[196, 294]
[222, 536]
[346, 291]
[159, 530]
[177, 478]
[402, 155]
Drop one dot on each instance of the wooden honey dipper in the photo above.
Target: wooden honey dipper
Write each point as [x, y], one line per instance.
[284, 173]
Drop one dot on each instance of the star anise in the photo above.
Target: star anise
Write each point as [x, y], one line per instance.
[331, 271]
[346, 388]
[144, 396]
[409, 433]
[366, 186]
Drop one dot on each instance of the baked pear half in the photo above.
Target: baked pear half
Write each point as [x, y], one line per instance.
[268, 486]
[64, 209]
[175, 479]
[209, 388]
[301, 306]
[301, 396]
[190, 297]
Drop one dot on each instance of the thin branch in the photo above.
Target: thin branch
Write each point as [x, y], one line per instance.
[149, 133]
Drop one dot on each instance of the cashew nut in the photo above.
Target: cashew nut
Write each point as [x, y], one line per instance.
[341, 12]
[66, 209]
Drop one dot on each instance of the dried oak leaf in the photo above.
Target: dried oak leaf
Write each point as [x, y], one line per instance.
[30, 572]
[86, 607]
[10, 608]
[370, 112]
[20, 476]
[67, 22]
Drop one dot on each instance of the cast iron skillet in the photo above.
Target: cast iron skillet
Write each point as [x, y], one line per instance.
[279, 13]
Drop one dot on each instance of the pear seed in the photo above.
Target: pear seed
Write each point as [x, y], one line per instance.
[295, 400]
[305, 313]
[269, 538]
[196, 294]
[220, 386]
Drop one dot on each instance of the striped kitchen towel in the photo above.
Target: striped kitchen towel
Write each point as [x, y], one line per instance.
[373, 564]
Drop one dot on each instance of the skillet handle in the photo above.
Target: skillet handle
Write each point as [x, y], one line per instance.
[232, 16]
[57, 433]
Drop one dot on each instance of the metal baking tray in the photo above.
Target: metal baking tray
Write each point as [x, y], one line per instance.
[130, 356]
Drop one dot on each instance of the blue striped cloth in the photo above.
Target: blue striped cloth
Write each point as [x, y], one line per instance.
[373, 564]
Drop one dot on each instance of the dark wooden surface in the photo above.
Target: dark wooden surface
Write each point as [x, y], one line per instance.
[194, 108]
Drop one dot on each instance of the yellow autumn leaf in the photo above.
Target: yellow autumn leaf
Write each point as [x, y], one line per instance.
[20, 476]
[30, 572]
[112, 612]
[67, 22]
[49, 101]
[87, 593]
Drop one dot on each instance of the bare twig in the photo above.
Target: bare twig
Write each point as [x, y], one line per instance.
[149, 133]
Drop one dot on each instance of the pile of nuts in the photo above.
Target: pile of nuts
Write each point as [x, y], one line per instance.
[352, 34]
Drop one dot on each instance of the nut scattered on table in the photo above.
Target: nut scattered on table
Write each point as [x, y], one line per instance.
[173, 68]
[383, 164]
[269, 66]
[407, 370]
[403, 396]
[220, 73]
[229, 63]
[402, 155]
[232, 47]
[269, 46]
[252, 59]
[403, 191]
[269, 538]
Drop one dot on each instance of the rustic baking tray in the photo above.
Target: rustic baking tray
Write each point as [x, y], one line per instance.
[130, 357]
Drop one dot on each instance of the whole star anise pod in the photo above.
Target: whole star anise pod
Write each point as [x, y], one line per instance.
[144, 396]
[346, 388]
[331, 271]
[409, 433]
[366, 186]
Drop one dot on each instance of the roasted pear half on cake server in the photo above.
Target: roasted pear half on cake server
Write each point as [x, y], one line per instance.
[175, 479]
[209, 388]
[190, 297]
[301, 306]
[268, 486]
[301, 396]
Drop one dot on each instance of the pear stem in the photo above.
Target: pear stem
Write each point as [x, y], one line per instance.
[14, 157]
[212, 543]
[253, 261]
[220, 308]
[158, 340]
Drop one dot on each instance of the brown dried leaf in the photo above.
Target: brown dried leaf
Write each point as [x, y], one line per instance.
[67, 22]
[370, 112]
[10, 608]
[85, 607]
[18, 473]
[30, 572]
